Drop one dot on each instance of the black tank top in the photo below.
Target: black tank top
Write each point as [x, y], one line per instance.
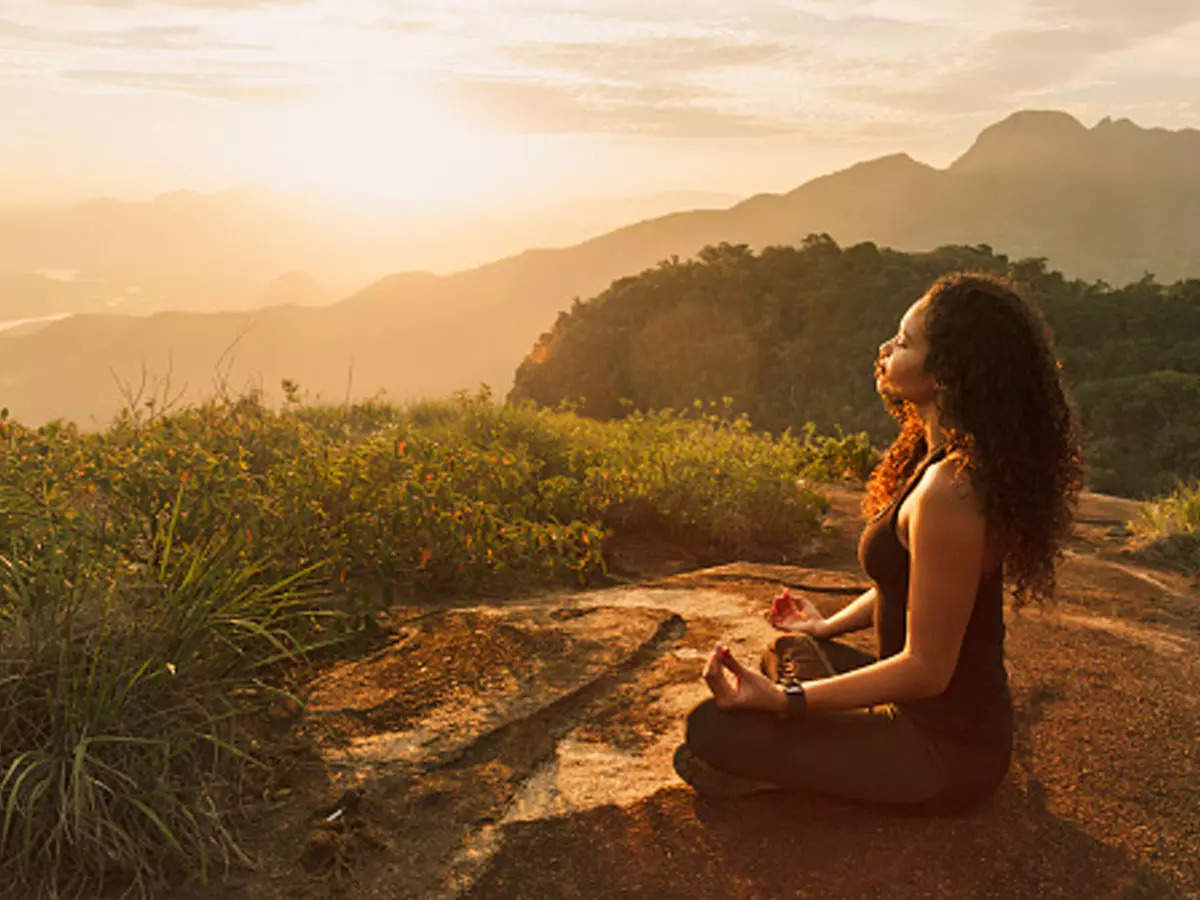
[975, 707]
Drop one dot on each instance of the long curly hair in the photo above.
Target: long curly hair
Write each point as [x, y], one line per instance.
[1001, 402]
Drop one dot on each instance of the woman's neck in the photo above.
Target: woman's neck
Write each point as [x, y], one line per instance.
[935, 437]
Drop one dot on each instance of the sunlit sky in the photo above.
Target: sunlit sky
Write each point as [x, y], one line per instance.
[477, 103]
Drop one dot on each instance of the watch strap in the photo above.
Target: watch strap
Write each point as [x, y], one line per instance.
[797, 703]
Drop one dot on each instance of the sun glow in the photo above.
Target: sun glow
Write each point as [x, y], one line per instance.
[385, 144]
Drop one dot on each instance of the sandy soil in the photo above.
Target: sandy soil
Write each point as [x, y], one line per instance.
[523, 750]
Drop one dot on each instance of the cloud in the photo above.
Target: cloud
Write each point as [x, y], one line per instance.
[405, 26]
[220, 85]
[1146, 98]
[548, 107]
[1019, 65]
[150, 37]
[667, 85]
[650, 57]
[229, 5]
[747, 75]
[160, 37]
[1133, 20]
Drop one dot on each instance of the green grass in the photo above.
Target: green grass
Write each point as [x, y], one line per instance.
[123, 699]
[164, 580]
[1168, 529]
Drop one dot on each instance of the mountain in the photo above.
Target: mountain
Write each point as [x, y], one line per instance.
[1106, 202]
[246, 247]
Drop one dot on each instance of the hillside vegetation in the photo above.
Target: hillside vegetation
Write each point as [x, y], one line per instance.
[790, 334]
[163, 581]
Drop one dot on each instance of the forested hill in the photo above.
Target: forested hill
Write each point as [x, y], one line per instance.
[791, 334]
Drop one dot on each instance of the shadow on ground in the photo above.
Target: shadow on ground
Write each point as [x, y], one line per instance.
[674, 844]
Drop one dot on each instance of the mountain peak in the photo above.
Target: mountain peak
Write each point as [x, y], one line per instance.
[1046, 122]
[892, 169]
[892, 161]
[1043, 139]
[1055, 143]
[1110, 124]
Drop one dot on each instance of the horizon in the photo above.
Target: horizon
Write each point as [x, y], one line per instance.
[519, 105]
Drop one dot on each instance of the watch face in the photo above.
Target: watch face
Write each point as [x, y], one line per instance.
[793, 689]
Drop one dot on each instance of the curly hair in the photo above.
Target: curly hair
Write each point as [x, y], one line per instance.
[1002, 405]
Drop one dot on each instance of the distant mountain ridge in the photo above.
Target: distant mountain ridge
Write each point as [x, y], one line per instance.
[249, 247]
[1059, 144]
[1109, 202]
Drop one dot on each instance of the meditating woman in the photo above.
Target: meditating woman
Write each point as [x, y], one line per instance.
[979, 486]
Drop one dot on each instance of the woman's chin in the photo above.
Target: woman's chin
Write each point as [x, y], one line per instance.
[886, 390]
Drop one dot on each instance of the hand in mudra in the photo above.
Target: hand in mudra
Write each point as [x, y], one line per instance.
[797, 615]
[734, 686]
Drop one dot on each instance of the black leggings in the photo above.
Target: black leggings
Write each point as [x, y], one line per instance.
[872, 755]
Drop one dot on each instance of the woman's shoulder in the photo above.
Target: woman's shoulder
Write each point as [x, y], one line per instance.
[948, 487]
[951, 499]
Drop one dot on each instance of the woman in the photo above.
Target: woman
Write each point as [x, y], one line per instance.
[979, 484]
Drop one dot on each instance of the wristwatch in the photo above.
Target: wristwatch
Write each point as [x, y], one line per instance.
[797, 703]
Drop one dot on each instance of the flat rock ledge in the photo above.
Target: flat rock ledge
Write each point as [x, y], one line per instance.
[524, 750]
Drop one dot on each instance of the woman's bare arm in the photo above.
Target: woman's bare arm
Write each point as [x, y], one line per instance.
[946, 537]
[854, 616]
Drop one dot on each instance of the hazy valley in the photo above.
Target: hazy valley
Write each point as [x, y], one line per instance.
[1110, 202]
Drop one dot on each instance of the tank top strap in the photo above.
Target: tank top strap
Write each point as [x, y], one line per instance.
[936, 456]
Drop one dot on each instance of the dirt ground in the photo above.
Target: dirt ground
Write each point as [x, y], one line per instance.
[523, 749]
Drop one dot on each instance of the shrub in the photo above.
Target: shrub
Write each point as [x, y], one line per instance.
[161, 580]
[123, 700]
[1168, 529]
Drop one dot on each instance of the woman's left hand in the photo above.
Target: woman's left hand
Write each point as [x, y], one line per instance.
[748, 690]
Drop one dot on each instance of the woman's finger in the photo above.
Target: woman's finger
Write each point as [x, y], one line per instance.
[731, 663]
[777, 606]
[720, 688]
[712, 674]
[783, 605]
[810, 608]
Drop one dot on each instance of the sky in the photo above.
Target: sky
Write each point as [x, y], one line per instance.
[438, 107]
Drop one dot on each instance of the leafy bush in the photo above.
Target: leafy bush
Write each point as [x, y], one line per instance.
[161, 580]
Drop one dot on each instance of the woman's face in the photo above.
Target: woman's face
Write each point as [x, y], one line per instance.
[900, 366]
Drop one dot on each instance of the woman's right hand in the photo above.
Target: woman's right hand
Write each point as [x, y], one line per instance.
[796, 615]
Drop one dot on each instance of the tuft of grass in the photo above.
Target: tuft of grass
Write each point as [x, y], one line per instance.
[123, 703]
[1175, 513]
[1167, 530]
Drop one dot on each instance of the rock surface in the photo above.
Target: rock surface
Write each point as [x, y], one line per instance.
[524, 750]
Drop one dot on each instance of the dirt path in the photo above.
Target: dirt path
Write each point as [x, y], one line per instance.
[524, 750]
